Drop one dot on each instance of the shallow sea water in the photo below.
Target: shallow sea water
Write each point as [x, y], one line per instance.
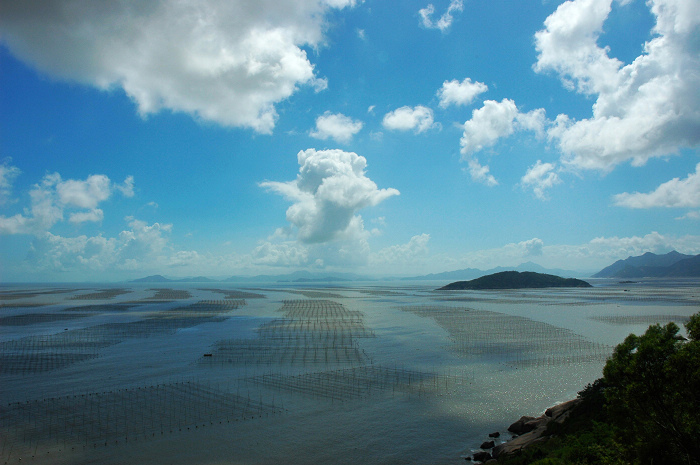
[360, 373]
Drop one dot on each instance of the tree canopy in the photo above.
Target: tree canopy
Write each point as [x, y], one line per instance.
[644, 410]
[652, 390]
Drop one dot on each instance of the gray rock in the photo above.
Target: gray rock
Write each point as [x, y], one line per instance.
[482, 456]
[522, 426]
[532, 430]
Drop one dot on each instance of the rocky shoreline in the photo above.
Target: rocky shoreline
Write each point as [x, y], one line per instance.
[526, 431]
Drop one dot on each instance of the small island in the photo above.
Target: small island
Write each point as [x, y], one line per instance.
[515, 280]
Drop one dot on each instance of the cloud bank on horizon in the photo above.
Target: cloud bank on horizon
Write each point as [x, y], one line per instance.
[274, 78]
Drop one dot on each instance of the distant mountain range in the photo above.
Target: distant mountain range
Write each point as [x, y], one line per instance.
[296, 277]
[650, 265]
[162, 279]
[300, 277]
[515, 280]
[321, 277]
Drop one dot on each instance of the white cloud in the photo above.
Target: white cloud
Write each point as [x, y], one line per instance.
[224, 61]
[140, 245]
[50, 198]
[402, 254]
[589, 256]
[281, 254]
[460, 93]
[184, 258]
[568, 45]
[540, 177]
[8, 173]
[481, 173]
[691, 215]
[493, 121]
[445, 20]
[419, 119]
[329, 190]
[43, 212]
[140, 248]
[143, 243]
[511, 254]
[84, 194]
[676, 193]
[127, 187]
[340, 4]
[648, 108]
[489, 123]
[95, 215]
[533, 121]
[336, 126]
[533, 247]
[623, 247]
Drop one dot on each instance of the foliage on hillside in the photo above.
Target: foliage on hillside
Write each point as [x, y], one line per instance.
[644, 410]
[515, 280]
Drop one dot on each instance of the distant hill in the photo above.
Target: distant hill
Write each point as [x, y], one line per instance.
[156, 278]
[300, 277]
[515, 280]
[473, 273]
[196, 279]
[650, 265]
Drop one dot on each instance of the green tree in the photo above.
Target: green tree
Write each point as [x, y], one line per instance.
[652, 389]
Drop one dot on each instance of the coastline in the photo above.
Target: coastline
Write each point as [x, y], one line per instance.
[526, 431]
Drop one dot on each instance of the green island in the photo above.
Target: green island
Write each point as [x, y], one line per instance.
[644, 410]
[515, 280]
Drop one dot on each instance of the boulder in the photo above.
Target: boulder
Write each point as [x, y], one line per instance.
[482, 456]
[532, 430]
[516, 444]
[561, 412]
[495, 435]
[487, 445]
[522, 426]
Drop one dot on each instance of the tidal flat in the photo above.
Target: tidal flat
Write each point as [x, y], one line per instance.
[367, 372]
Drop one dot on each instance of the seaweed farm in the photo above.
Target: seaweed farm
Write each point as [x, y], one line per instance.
[360, 373]
[478, 333]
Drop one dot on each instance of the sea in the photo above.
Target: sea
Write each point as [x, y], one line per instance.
[381, 372]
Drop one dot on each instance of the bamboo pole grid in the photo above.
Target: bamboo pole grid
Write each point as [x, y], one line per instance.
[35, 354]
[358, 382]
[101, 419]
[514, 340]
[311, 332]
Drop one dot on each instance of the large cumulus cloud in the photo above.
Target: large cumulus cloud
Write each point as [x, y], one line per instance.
[329, 190]
[227, 61]
[648, 108]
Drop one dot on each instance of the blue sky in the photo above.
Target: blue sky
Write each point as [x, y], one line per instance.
[227, 138]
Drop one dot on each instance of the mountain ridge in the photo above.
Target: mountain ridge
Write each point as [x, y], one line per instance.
[650, 265]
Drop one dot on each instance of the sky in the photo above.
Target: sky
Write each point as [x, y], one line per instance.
[383, 138]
